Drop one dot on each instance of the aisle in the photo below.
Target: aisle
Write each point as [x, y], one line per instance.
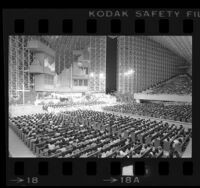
[16, 147]
[188, 151]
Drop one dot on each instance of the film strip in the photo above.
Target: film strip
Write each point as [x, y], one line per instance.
[45, 171]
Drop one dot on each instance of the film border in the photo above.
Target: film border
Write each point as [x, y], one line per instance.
[78, 22]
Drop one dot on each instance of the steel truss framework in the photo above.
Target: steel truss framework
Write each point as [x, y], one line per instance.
[20, 59]
[98, 64]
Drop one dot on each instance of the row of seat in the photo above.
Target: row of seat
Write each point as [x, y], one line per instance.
[181, 113]
[70, 104]
[180, 85]
[98, 134]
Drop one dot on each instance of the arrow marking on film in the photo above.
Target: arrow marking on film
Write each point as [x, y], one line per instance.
[18, 180]
[111, 180]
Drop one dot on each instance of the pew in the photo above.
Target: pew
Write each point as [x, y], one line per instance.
[151, 137]
[180, 146]
[168, 145]
[146, 152]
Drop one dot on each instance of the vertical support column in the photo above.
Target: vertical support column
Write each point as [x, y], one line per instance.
[71, 81]
[23, 89]
[90, 61]
[10, 68]
[95, 66]
[16, 68]
[111, 64]
[59, 63]
[28, 70]
[123, 64]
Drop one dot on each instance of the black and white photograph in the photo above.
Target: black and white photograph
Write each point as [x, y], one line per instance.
[100, 96]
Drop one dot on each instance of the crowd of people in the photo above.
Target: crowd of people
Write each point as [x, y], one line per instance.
[180, 85]
[87, 133]
[181, 113]
[70, 104]
[175, 85]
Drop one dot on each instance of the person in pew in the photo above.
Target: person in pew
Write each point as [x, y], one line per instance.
[51, 146]
[151, 154]
[29, 133]
[175, 142]
[37, 141]
[166, 154]
[67, 155]
[57, 146]
[136, 154]
[33, 139]
[62, 149]
[83, 155]
[122, 154]
[127, 141]
[93, 144]
[52, 138]
[70, 142]
[103, 155]
[176, 155]
[126, 151]
[63, 140]
[58, 142]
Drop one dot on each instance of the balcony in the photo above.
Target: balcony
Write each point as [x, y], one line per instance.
[37, 46]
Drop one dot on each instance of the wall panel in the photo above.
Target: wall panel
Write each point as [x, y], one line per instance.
[150, 61]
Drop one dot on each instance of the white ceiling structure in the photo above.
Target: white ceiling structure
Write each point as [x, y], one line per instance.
[181, 45]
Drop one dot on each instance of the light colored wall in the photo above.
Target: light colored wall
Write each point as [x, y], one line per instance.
[39, 82]
[151, 62]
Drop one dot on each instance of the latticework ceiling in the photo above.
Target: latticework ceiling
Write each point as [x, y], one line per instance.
[64, 43]
[180, 45]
